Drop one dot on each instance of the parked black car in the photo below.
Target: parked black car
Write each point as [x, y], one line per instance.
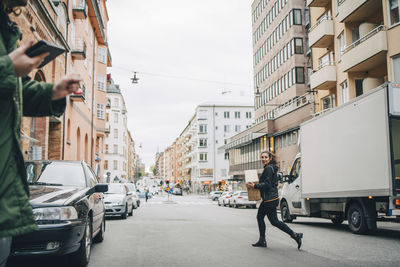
[68, 206]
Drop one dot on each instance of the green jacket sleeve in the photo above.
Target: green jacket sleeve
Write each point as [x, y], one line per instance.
[8, 80]
[37, 99]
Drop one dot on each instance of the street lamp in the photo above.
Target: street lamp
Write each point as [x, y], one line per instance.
[135, 79]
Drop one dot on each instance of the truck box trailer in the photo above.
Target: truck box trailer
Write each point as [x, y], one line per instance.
[349, 165]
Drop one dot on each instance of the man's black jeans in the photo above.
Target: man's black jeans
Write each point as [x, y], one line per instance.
[269, 209]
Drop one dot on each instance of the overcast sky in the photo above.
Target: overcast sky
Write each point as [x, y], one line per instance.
[185, 52]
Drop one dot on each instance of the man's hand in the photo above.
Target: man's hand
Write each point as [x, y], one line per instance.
[23, 64]
[66, 86]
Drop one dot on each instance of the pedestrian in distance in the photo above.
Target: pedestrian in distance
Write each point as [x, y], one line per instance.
[19, 96]
[268, 186]
[147, 195]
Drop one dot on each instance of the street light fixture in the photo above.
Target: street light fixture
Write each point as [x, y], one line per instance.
[135, 79]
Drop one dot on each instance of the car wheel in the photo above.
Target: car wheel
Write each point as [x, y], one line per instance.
[100, 235]
[219, 204]
[285, 213]
[235, 205]
[356, 218]
[131, 213]
[125, 214]
[82, 256]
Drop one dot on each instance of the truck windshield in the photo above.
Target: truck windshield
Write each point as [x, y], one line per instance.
[395, 133]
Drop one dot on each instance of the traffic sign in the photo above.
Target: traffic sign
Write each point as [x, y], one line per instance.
[168, 188]
[170, 191]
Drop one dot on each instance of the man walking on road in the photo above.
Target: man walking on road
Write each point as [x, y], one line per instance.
[19, 96]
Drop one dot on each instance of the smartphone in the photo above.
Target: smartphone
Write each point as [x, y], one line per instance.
[42, 47]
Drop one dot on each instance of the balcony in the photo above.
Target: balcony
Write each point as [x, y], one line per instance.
[107, 129]
[318, 3]
[358, 10]
[321, 34]
[80, 11]
[78, 49]
[323, 77]
[97, 21]
[77, 98]
[366, 53]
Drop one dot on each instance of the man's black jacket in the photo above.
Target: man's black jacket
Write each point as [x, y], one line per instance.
[268, 184]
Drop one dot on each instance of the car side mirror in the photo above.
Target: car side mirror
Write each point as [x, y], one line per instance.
[286, 178]
[98, 188]
[129, 194]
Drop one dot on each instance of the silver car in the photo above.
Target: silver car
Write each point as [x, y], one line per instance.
[118, 200]
[224, 198]
[135, 197]
[241, 199]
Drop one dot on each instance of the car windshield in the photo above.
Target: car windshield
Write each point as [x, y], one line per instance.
[55, 173]
[115, 189]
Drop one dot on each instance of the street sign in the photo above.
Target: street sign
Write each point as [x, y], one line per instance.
[170, 191]
[168, 188]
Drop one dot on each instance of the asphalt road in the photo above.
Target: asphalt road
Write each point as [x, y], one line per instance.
[194, 231]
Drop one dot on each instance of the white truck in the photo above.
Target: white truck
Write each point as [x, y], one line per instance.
[349, 163]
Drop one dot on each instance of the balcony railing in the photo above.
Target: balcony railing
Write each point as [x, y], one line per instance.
[363, 39]
[329, 63]
[293, 104]
[78, 49]
[321, 34]
[323, 77]
[80, 11]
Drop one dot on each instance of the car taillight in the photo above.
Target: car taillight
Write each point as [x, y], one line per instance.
[397, 202]
[240, 197]
[228, 197]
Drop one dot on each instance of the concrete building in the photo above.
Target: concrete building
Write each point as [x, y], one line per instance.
[200, 162]
[131, 158]
[282, 96]
[354, 48]
[116, 141]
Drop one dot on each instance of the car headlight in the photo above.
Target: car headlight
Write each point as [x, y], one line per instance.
[55, 213]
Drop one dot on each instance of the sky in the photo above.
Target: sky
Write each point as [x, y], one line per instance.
[185, 53]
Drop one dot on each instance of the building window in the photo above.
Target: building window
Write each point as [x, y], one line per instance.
[298, 43]
[203, 142]
[115, 117]
[248, 115]
[237, 114]
[299, 74]
[107, 117]
[202, 114]
[115, 164]
[294, 138]
[226, 128]
[115, 151]
[345, 92]
[396, 68]
[102, 55]
[237, 128]
[327, 103]
[106, 148]
[115, 133]
[203, 128]
[100, 111]
[394, 11]
[106, 165]
[101, 82]
[226, 114]
[116, 102]
[203, 156]
[297, 17]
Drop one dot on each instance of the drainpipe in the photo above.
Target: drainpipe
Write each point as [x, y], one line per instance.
[66, 71]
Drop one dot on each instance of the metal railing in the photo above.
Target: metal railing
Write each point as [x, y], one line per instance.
[339, 2]
[329, 63]
[363, 39]
[78, 46]
[82, 7]
[321, 19]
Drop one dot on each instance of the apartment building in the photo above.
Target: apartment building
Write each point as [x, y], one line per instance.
[354, 48]
[89, 56]
[43, 20]
[80, 27]
[131, 158]
[117, 137]
[200, 162]
[282, 96]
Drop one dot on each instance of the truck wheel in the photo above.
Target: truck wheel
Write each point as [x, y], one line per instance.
[356, 218]
[285, 213]
[337, 221]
